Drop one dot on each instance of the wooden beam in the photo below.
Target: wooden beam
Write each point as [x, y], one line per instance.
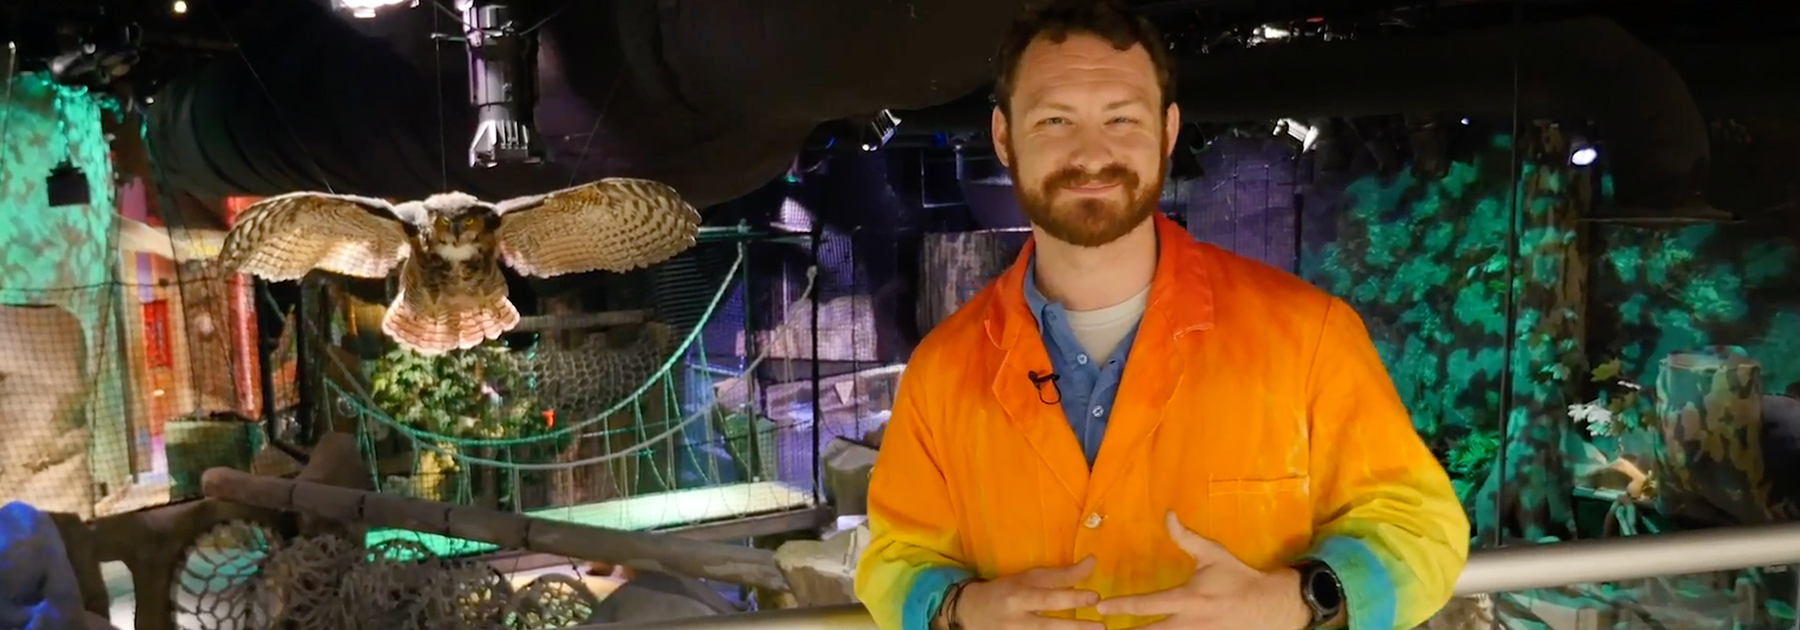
[638, 550]
[585, 320]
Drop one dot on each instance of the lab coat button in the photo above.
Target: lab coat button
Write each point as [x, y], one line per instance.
[1093, 521]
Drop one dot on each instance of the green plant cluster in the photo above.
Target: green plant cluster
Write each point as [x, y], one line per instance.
[462, 394]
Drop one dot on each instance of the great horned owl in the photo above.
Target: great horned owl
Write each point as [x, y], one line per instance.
[449, 247]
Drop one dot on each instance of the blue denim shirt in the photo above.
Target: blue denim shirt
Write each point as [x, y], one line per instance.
[1087, 385]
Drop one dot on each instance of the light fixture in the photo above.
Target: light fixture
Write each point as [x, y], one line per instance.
[365, 9]
[179, 8]
[880, 130]
[1581, 153]
[67, 185]
[502, 85]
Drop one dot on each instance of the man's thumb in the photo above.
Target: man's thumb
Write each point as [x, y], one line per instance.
[1204, 551]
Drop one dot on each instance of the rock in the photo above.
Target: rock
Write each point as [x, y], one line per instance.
[847, 466]
[822, 573]
[1475, 612]
[660, 597]
[37, 584]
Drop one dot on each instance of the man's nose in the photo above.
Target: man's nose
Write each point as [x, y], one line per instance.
[1092, 151]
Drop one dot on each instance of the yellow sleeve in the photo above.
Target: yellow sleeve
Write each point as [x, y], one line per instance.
[913, 551]
[1386, 519]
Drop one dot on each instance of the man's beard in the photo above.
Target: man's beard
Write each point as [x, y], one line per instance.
[1088, 221]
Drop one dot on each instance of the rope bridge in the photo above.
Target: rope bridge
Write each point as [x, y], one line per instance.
[609, 435]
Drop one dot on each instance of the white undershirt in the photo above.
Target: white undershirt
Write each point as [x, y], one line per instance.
[1100, 330]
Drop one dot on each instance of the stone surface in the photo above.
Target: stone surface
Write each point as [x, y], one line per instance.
[847, 466]
[37, 584]
[822, 573]
[655, 596]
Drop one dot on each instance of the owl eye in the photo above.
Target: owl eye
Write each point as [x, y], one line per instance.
[470, 223]
[441, 222]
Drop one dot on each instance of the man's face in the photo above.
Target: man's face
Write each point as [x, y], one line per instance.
[1088, 140]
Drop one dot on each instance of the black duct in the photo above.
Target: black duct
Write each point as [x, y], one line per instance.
[1587, 68]
[713, 97]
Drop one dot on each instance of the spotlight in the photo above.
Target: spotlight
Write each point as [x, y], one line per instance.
[67, 186]
[880, 130]
[1307, 134]
[1582, 154]
[365, 9]
[502, 85]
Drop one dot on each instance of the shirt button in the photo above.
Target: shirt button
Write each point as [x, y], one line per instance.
[1093, 521]
[1099, 411]
[1081, 359]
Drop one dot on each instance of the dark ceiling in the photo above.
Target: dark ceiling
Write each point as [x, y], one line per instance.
[717, 97]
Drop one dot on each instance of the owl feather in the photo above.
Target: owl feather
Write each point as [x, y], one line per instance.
[285, 236]
[616, 224]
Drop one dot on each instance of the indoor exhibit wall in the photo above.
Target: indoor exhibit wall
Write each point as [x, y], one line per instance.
[64, 440]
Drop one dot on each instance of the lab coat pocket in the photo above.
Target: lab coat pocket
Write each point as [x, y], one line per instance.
[1266, 523]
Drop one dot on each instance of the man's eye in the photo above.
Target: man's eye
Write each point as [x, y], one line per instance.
[1122, 120]
[1053, 121]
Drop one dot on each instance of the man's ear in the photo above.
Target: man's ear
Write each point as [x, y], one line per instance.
[1171, 127]
[997, 130]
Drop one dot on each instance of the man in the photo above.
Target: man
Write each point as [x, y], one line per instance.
[1130, 427]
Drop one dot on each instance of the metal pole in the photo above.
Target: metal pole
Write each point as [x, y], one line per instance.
[1502, 570]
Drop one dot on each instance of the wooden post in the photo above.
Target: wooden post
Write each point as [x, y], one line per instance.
[954, 266]
[638, 550]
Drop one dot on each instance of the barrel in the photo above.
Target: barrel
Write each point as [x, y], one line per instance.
[1709, 469]
[953, 266]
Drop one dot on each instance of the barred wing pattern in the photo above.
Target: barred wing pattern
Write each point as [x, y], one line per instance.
[615, 224]
[286, 236]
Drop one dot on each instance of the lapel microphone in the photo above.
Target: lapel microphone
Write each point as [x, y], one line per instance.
[1038, 381]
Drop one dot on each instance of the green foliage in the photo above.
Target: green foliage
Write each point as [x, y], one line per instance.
[1423, 262]
[475, 393]
[1698, 286]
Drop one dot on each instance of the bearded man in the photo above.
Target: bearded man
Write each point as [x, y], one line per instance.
[1129, 427]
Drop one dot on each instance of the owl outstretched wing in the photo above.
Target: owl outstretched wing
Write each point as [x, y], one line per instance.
[615, 224]
[285, 236]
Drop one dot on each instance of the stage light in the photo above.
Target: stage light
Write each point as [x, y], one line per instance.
[67, 186]
[1582, 154]
[179, 8]
[879, 130]
[366, 9]
[502, 85]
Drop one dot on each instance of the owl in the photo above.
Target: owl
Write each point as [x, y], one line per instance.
[448, 248]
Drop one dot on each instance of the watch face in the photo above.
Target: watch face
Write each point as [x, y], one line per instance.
[1323, 587]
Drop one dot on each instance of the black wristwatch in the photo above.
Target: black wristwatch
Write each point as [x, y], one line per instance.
[1322, 592]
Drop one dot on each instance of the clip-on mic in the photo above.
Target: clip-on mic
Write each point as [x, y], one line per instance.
[1038, 380]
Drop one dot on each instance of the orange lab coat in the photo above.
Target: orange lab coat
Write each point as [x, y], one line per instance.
[1252, 404]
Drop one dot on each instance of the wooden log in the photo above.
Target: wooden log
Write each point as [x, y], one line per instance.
[953, 266]
[638, 550]
[1709, 408]
[583, 320]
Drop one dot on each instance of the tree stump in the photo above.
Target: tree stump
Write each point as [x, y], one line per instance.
[1710, 466]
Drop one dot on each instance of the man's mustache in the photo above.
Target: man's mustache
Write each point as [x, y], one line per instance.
[1111, 174]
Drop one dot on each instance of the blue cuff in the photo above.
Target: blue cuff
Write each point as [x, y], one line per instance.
[1368, 587]
[926, 594]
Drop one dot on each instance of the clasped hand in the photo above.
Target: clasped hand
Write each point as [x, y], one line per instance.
[1222, 594]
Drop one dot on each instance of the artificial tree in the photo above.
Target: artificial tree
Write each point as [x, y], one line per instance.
[479, 393]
